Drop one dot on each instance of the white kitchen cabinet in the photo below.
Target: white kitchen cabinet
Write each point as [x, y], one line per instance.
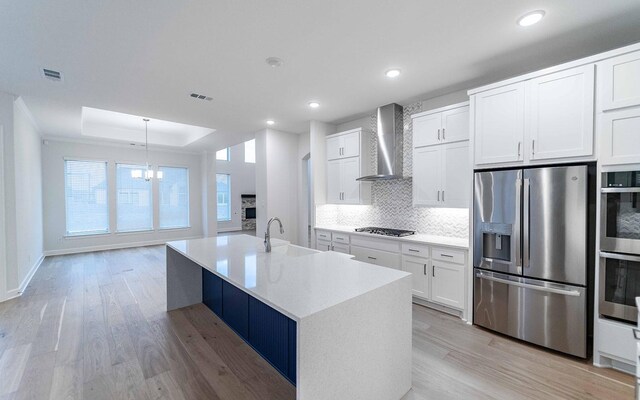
[419, 269]
[342, 187]
[499, 124]
[323, 245]
[560, 115]
[343, 145]
[619, 81]
[446, 125]
[348, 158]
[427, 175]
[427, 130]
[441, 175]
[447, 284]
[620, 137]
[455, 125]
[377, 257]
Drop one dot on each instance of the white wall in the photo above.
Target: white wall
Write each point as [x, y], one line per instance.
[303, 188]
[28, 169]
[53, 155]
[243, 181]
[20, 197]
[277, 182]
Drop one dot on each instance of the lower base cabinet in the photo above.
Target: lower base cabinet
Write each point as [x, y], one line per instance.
[447, 284]
[420, 270]
[269, 332]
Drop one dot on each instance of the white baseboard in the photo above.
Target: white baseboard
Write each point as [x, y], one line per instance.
[230, 229]
[13, 293]
[88, 249]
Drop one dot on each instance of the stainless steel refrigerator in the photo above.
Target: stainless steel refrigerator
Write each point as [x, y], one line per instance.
[531, 255]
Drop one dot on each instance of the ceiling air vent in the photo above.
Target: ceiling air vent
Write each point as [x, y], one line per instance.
[51, 74]
[200, 97]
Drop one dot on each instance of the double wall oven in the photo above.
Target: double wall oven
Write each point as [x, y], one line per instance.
[620, 245]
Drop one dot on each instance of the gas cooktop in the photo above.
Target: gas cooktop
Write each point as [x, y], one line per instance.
[385, 231]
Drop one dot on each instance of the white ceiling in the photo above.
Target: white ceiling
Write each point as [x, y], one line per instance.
[145, 57]
[115, 126]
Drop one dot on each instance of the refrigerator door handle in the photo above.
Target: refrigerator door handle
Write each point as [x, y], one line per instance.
[623, 257]
[526, 219]
[482, 275]
[516, 229]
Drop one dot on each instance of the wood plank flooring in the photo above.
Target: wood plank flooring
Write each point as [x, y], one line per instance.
[93, 326]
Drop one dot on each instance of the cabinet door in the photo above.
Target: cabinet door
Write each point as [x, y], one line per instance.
[620, 141]
[447, 284]
[426, 130]
[269, 334]
[334, 148]
[212, 292]
[323, 245]
[499, 124]
[456, 175]
[349, 172]
[351, 145]
[455, 125]
[418, 268]
[427, 174]
[340, 248]
[560, 117]
[620, 81]
[334, 182]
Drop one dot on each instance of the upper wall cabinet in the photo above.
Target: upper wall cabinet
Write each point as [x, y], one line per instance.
[441, 173]
[343, 145]
[619, 81]
[549, 117]
[348, 158]
[620, 137]
[560, 117]
[499, 124]
[437, 127]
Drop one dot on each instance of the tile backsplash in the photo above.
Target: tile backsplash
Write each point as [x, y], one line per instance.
[392, 201]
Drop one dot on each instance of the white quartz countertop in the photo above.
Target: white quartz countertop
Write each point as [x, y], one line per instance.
[296, 281]
[418, 238]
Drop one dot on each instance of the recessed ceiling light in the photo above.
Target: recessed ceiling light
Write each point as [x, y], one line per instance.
[392, 73]
[274, 62]
[270, 122]
[314, 104]
[531, 18]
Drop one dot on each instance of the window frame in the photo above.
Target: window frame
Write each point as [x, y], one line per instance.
[151, 200]
[229, 197]
[254, 151]
[107, 231]
[227, 152]
[188, 226]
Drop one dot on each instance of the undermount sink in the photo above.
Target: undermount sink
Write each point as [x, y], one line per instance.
[291, 250]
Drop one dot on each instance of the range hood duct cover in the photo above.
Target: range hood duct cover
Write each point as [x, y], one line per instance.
[390, 149]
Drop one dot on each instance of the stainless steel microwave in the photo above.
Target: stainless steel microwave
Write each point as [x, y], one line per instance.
[620, 212]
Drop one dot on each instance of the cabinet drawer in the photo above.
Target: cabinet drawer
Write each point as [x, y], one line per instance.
[340, 238]
[341, 248]
[418, 250]
[375, 243]
[323, 245]
[448, 255]
[377, 257]
[616, 339]
[323, 235]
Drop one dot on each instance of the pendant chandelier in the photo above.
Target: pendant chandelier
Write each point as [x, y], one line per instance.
[147, 174]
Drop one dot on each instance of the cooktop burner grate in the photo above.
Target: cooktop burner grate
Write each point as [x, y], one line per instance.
[385, 231]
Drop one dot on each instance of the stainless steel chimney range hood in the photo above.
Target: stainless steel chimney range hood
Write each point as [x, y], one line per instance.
[390, 136]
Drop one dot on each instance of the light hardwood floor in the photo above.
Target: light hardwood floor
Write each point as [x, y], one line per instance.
[93, 326]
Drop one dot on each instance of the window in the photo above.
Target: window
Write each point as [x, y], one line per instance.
[250, 151]
[223, 185]
[133, 195]
[222, 155]
[85, 190]
[174, 198]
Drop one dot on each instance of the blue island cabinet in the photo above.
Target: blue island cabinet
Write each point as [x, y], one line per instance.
[269, 332]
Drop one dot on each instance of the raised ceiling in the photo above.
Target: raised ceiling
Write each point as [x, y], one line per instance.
[146, 57]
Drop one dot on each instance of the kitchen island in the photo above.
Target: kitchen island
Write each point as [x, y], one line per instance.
[335, 327]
